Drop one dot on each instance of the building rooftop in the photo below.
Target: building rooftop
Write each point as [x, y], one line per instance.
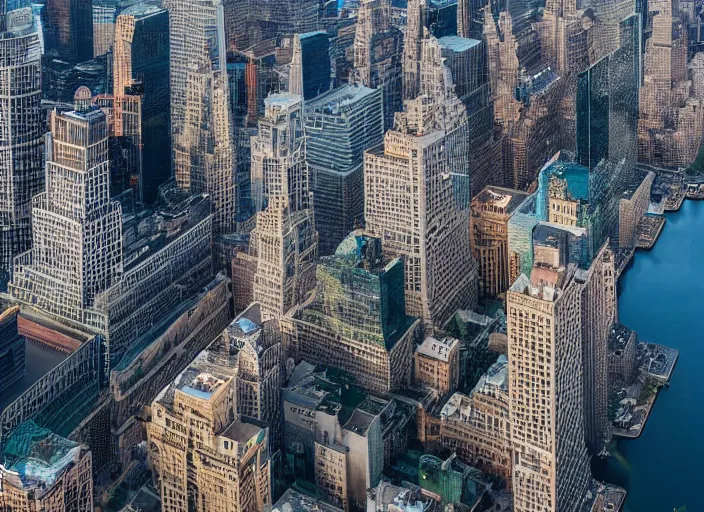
[142, 9]
[503, 199]
[212, 369]
[544, 229]
[457, 408]
[619, 335]
[282, 99]
[540, 82]
[542, 286]
[632, 181]
[402, 499]
[148, 230]
[359, 423]
[339, 99]
[295, 501]
[244, 429]
[437, 349]
[324, 389]
[495, 378]
[37, 455]
[248, 328]
[576, 176]
[311, 34]
[457, 44]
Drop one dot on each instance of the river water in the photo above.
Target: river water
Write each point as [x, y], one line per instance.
[662, 297]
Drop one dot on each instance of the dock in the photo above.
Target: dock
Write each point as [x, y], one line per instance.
[656, 364]
[609, 498]
[648, 231]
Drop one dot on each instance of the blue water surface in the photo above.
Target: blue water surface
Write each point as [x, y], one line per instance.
[662, 297]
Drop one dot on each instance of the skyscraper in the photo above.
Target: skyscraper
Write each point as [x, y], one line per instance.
[68, 29]
[141, 68]
[491, 210]
[104, 14]
[599, 312]
[467, 60]
[310, 65]
[260, 358]
[546, 390]
[203, 150]
[378, 55]
[415, 32]
[76, 228]
[339, 126]
[607, 103]
[417, 195]
[606, 30]
[248, 23]
[284, 240]
[21, 133]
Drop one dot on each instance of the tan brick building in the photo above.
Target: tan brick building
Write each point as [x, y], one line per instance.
[437, 364]
[546, 403]
[477, 427]
[488, 231]
[331, 473]
[203, 457]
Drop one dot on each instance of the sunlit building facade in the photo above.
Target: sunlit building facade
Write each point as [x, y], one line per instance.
[203, 150]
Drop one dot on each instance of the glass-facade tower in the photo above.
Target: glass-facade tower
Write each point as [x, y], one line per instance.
[21, 130]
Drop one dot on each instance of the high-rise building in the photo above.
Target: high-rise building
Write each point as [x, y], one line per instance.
[357, 321]
[76, 228]
[21, 142]
[414, 34]
[606, 32]
[249, 23]
[284, 239]
[520, 238]
[203, 149]
[12, 348]
[278, 155]
[599, 312]
[378, 55]
[467, 60]
[546, 389]
[259, 375]
[633, 206]
[310, 65]
[203, 455]
[488, 231]
[339, 127]
[607, 103]
[141, 69]
[68, 29]
[104, 14]
[44, 471]
[417, 195]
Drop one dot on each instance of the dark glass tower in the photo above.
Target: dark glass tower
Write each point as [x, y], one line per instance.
[310, 71]
[141, 63]
[68, 29]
